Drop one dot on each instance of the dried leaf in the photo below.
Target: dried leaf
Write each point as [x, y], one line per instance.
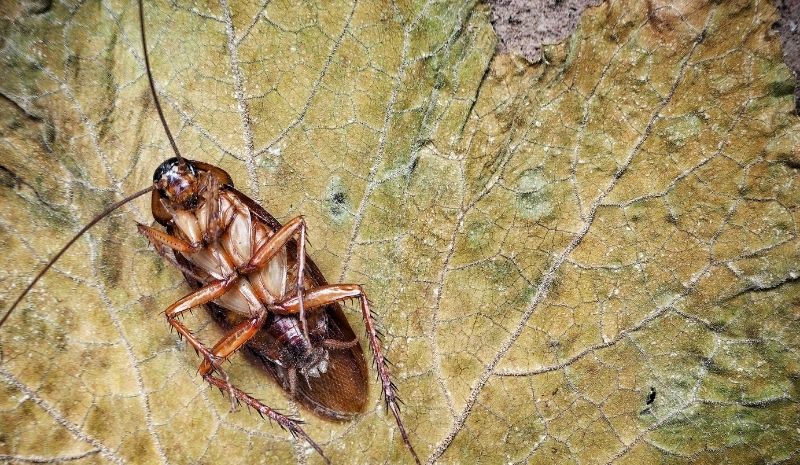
[592, 259]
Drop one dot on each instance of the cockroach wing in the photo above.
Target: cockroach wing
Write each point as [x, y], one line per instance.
[340, 392]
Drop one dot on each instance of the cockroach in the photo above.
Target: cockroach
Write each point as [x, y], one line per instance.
[254, 276]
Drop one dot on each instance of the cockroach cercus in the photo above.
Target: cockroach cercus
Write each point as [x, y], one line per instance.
[253, 275]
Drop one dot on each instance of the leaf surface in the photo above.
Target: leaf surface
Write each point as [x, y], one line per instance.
[592, 259]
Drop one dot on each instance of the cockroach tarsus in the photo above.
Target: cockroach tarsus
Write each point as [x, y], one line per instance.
[253, 275]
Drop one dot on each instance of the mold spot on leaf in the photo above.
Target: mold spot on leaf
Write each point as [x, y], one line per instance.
[500, 271]
[781, 88]
[476, 234]
[272, 159]
[534, 194]
[336, 199]
[683, 129]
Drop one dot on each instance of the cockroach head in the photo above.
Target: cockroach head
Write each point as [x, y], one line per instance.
[176, 180]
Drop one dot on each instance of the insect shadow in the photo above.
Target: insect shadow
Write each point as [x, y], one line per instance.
[254, 276]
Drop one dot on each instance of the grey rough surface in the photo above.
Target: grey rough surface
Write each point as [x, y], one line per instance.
[524, 25]
[789, 27]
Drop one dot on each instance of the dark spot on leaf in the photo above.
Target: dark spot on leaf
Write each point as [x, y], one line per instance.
[413, 166]
[652, 396]
[148, 304]
[790, 161]
[702, 37]
[336, 199]
[38, 7]
[781, 88]
[717, 326]
[672, 218]
[8, 178]
[73, 63]
[753, 332]
[711, 366]
[4, 31]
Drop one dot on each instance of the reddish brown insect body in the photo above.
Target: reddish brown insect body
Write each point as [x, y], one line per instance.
[340, 391]
[241, 261]
[326, 372]
[253, 275]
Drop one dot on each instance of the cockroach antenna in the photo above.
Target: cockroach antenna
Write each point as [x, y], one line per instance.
[153, 88]
[80, 233]
[122, 202]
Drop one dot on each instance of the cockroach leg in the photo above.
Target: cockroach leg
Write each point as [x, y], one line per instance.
[232, 341]
[214, 226]
[217, 367]
[205, 294]
[162, 251]
[301, 267]
[225, 347]
[334, 344]
[288, 423]
[229, 344]
[211, 291]
[275, 244]
[325, 295]
[156, 236]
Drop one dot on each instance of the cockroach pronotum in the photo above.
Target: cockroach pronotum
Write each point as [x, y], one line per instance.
[253, 275]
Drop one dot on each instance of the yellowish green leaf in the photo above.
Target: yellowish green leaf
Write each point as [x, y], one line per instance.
[549, 247]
